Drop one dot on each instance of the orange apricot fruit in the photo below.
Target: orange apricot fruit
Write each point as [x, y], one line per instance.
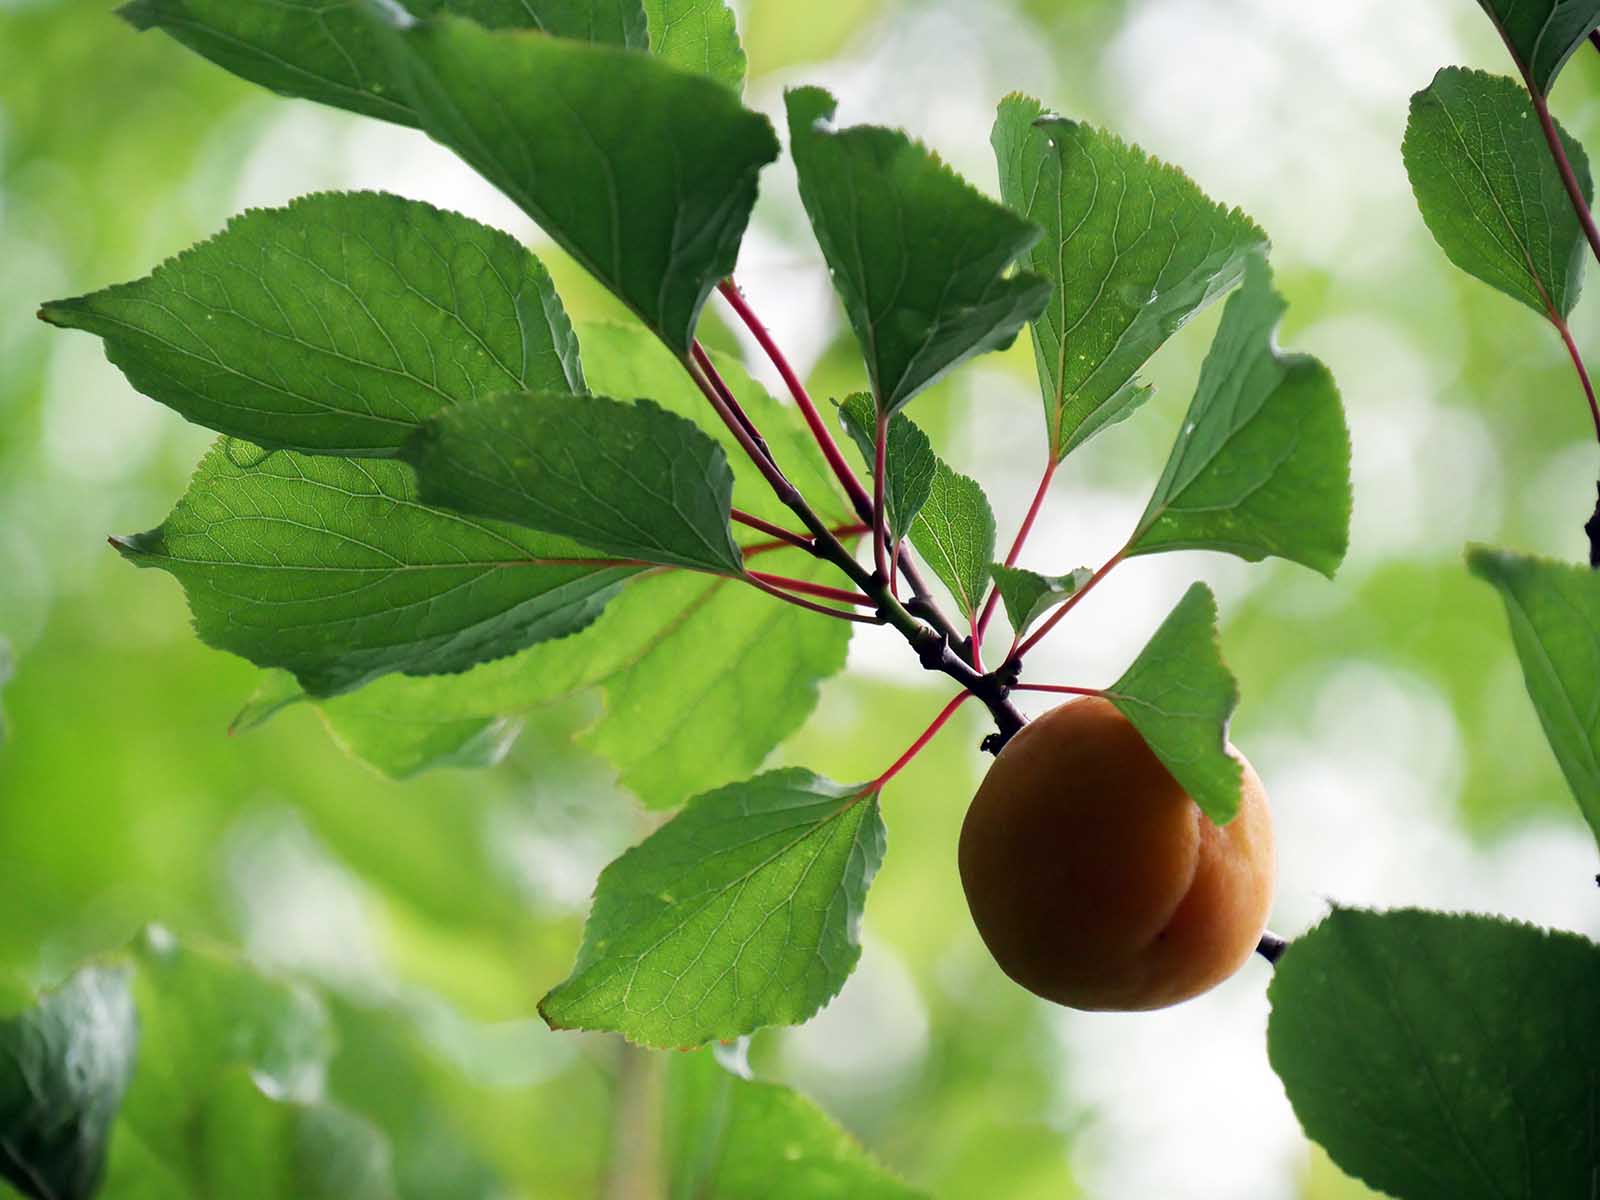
[1094, 878]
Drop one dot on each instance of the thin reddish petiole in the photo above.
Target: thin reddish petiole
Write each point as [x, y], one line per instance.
[703, 361]
[776, 531]
[1577, 365]
[819, 430]
[1558, 152]
[1016, 546]
[802, 602]
[1055, 617]
[977, 645]
[921, 743]
[838, 531]
[1062, 689]
[821, 590]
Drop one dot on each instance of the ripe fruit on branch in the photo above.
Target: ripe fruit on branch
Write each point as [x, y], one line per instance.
[1095, 879]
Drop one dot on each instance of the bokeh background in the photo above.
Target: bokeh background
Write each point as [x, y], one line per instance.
[1384, 710]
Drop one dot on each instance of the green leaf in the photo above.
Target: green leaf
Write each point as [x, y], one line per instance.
[908, 460]
[324, 50]
[632, 480]
[732, 1138]
[1554, 610]
[954, 534]
[919, 257]
[741, 912]
[1179, 695]
[64, 1066]
[7, 667]
[1132, 248]
[1489, 191]
[711, 638]
[251, 1147]
[336, 325]
[644, 174]
[698, 35]
[1028, 595]
[1262, 462]
[721, 676]
[1543, 34]
[331, 568]
[1442, 1057]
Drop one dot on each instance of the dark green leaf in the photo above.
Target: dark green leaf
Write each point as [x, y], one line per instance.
[1132, 247]
[711, 638]
[1490, 192]
[1262, 462]
[336, 325]
[644, 174]
[732, 1138]
[1028, 595]
[324, 50]
[1554, 610]
[64, 1066]
[908, 460]
[702, 676]
[1443, 1057]
[632, 480]
[698, 35]
[1543, 34]
[1179, 695]
[919, 257]
[954, 534]
[741, 912]
[332, 569]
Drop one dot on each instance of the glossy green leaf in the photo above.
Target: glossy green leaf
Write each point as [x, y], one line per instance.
[702, 677]
[728, 1137]
[909, 464]
[1543, 34]
[336, 325]
[713, 637]
[741, 912]
[1489, 191]
[721, 676]
[1028, 595]
[324, 50]
[333, 569]
[1262, 462]
[954, 534]
[64, 1066]
[1554, 610]
[1179, 695]
[698, 35]
[920, 258]
[633, 480]
[1442, 1057]
[1132, 248]
[643, 173]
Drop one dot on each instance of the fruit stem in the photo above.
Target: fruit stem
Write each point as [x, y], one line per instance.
[805, 543]
[808, 588]
[921, 743]
[1016, 546]
[1061, 689]
[1271, 947]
